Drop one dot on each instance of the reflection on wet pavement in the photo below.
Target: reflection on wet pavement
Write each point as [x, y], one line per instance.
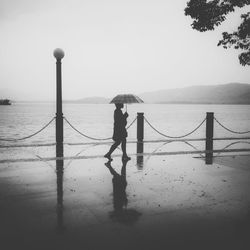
[146, 202]
[121, 213]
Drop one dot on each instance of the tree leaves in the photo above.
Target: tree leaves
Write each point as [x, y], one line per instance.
[209, 14]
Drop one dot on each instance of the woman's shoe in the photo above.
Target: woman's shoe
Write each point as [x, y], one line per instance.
[108, 156]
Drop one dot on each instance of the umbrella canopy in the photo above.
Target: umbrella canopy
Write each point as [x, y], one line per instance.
[128, 98]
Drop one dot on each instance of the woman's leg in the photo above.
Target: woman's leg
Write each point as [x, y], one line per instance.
[124, 141]
[124, 150]
[112, 148]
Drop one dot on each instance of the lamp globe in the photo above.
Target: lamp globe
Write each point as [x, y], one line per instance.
[58, 54]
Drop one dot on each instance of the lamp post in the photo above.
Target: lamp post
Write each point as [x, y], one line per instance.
[59, 54]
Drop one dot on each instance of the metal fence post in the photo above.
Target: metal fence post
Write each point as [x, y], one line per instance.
[140, 137]
[140, 127]
[209, 137]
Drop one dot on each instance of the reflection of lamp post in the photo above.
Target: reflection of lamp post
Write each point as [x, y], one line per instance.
[59, 175]
[59, 54]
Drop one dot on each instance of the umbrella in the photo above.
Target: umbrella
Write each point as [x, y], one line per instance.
[128, 98]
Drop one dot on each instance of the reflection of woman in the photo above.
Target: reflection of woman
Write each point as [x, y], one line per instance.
[120, 200]
[120, 133]
[119, 187]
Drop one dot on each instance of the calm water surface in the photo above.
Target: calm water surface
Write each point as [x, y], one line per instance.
[22, 119]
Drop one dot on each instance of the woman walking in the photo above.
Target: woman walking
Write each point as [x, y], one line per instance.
[120, 133]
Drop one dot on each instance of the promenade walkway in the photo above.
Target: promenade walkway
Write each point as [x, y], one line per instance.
[173, 202]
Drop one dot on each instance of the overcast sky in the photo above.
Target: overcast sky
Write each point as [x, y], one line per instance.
[111, 47]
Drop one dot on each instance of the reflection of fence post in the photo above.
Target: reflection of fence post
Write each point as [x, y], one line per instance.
[140, 137]
[209, 137]
[139, 158]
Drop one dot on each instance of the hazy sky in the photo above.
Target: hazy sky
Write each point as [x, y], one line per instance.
[111, 47]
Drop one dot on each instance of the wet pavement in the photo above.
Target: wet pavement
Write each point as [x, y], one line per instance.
[151, 202]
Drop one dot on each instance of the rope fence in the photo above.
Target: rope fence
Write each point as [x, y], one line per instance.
[174, 137]
[234, 132]
[131, 123]
[209, 150]
[27, 137]
[84, 135]
[70, 124]
[108, 140]
[94, 138]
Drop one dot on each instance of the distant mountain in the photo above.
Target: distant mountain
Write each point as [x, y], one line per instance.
[232, 93]
[91, 100]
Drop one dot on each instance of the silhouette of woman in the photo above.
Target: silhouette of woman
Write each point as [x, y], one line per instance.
[120, 133]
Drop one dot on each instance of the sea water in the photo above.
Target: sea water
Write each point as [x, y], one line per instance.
[96, 120]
